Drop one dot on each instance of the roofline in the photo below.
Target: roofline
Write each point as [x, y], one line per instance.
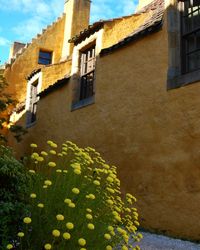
[157, 26]
[59, 84]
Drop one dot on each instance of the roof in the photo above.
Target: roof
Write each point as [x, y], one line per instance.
[151, 25]
[91, 29]
[34, 72]
[60, 83]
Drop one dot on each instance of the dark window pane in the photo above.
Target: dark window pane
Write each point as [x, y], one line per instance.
[194, 61]
[191, 45]
[45, 57]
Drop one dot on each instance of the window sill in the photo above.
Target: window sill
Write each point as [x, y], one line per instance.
[183, 80]
[83, 103]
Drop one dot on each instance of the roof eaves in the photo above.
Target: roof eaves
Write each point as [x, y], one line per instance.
[59, 84]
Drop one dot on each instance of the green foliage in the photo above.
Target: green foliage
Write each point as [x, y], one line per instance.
[13, 181]
[76, 203]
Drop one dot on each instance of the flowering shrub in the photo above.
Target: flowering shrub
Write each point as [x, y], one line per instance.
[76, 203]
[13, 191]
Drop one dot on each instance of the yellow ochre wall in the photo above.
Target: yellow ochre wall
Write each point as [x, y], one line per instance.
[151, 134]
[51, 39]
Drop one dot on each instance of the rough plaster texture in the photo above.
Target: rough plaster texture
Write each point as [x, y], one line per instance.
[117, 30]
[51, 39]
[51, 73]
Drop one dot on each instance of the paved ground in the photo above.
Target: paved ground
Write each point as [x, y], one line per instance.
[158, 242]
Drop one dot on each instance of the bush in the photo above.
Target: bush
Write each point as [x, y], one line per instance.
[76, 203]
[13, 190]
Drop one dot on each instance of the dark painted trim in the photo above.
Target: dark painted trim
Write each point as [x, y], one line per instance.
[83, 103]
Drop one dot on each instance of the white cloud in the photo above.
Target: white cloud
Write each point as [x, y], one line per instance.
[40, 13]
[4, 41]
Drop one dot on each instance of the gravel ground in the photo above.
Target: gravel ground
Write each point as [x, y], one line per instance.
[158, 242]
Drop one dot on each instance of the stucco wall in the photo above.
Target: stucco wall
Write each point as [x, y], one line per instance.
[119, 29]
[150, 133]
[52, 73]
[15, 74]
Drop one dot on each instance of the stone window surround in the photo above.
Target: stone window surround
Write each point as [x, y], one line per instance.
[175, 78]
[96, 38]
[36, 77]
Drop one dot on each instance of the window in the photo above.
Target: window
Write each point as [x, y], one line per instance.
[33, 103]
[190, 36]
[45, 57]
[87, 70]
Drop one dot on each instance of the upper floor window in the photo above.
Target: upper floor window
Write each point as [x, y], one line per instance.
[45, 57]
[190, 36]
[87, 72]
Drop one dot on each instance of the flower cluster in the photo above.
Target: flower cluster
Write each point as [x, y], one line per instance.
[75, 203]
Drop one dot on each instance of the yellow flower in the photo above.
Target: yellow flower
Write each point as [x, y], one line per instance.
[27, 220]
[59, 171]
[53, 145]
[20, 234]
[82, 242]
[109, 179]
[124, 247]
[60, 217]
[110, 228]
[67, 201]
[70, 225]
[110, 202]
[40, 205]
[59, 154]
[66, 236]
[89, 210]
[9, 246]
[33, 145]
[83, 248]
[91, 196]
[77, 171]
[45, 186]
[34, 155]
[53, 152]
[75, 190]
[72, 205]
[50, 142]
[107, 236]
[97, 183]
[108, 247]
[48, 182]
[52, 164]
[43, 153]
[47, 246]
[56, 233]
[90, 226]
[65, 171]
[89, 216]
[33, 196]
[40, 159]
[32, 171]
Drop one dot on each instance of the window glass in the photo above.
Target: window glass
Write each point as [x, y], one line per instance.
[45, 57]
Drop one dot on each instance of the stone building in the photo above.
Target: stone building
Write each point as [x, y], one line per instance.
[129, 87]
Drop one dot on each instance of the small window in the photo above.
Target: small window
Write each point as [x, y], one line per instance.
[87, 71]
[45, 57]
[190, 36]
[33, 100]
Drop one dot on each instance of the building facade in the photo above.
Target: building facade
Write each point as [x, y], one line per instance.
[128, 87]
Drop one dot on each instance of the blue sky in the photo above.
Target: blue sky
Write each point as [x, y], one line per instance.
[21, 20]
